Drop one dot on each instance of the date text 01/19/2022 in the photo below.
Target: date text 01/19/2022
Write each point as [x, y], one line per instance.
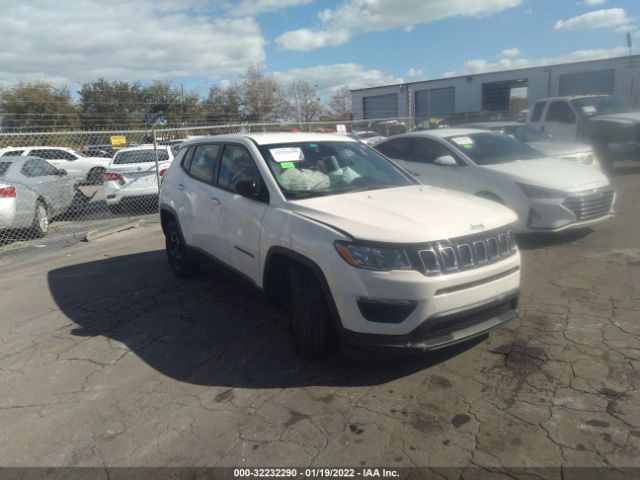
[315, 473]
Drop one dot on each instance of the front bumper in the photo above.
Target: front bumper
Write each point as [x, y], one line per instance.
[443, 331]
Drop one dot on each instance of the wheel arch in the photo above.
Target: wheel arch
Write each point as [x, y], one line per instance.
[277, 262]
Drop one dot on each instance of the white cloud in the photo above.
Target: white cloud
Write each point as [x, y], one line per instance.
[305, 39]
[72, 41]
[591, 3]
[510, 52]
[415, 72]
[329, 78]
[337, 26]
[257, 7]
[481, 65]
[606, 18]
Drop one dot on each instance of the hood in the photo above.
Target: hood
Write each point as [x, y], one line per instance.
[557, 149]
[413, 214]
[555, 173]
[624, 117]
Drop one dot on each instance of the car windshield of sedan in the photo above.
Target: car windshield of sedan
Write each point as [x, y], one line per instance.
[140, 156]
[310, 169]
[590, 106]
[491, 148]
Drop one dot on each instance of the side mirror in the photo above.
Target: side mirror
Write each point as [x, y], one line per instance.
[446, 161]
[247, 188]
[61, 172]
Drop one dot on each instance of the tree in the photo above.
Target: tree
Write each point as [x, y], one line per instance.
[110, 105]
[37, 105]
[222, 105]
[340, 104]
[304, 104]
[261, 97]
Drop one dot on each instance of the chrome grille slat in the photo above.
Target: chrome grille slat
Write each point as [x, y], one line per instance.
[465, 253]
[590, 204]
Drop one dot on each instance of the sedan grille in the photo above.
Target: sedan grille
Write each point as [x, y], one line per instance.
[590, 204]
[466, 253]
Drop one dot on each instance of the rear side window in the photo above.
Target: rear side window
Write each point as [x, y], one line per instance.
[401, 148]
[140, 156]
[13, 153]
[204, 162]
[52, 154]
[4, 166]
[537, 112]
[38, 168]
[560, 112]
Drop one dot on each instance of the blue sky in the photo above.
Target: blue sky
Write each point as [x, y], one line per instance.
[354, 43]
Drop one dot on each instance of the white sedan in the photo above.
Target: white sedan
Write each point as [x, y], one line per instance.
[132, 176]
[548, 194]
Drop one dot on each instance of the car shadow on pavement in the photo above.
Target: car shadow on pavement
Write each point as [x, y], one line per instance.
[533, 241]
[211, 330]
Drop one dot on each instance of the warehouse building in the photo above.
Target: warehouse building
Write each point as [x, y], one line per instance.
[495, 92]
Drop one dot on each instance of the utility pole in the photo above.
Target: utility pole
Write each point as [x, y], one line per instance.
[295, 90]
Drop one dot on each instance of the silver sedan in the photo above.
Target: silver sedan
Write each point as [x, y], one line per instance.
[32, 191]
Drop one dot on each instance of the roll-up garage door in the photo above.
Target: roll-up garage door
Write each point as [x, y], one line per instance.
[437, 102]
[381, 106]
[587, 83]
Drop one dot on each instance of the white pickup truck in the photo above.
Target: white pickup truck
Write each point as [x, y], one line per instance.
[599, 120]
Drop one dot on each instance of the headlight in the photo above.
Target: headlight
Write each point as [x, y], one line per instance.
[372, 257]
[532, 191]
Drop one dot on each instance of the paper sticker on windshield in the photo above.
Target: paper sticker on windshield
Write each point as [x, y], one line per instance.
[287, 154]
[287, 165]
[462, 141]
[589, 109]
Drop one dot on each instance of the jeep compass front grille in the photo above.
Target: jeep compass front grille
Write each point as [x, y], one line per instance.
[466, 253]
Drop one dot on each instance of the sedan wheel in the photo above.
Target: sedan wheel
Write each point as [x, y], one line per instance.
[40, 225]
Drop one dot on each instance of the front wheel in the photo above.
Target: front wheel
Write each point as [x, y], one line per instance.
[309, 314]
[181, 262]
[40, 224]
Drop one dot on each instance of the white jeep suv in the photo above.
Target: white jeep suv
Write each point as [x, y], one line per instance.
[350, 241]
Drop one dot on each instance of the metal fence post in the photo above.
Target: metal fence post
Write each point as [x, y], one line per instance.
[155, 151]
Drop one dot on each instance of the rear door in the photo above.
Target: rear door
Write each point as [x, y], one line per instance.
[43, 179]
[400, 150]
[240, 219]
[536, 117]
[61, 159]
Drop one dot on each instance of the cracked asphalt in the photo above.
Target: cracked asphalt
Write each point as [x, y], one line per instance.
[107, 359]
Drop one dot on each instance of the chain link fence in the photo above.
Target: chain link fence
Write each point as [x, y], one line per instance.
[62, 185]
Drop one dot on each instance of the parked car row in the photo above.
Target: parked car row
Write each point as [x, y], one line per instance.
[412, 253]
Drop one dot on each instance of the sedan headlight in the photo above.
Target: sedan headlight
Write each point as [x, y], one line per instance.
[373, 257]
[532, 191]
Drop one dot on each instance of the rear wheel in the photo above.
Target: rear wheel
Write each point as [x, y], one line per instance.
[180, 260]
[309, 314]
[40, 224]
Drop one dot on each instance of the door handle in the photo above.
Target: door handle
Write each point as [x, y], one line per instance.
[180, 186]
[215, 201]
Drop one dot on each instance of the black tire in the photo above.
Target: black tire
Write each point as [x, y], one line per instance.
[40, 224]
[115, 209]
[94, 177]
[180, 260]
[606, 158]
[309, 314]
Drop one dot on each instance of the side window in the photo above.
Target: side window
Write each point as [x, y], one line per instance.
[236, 165]
[399, 148]
[4, 166]
[13, 153]
[37, 168]
[186, 159]
[427, 150]
[537, 111]
[560, 112]
[204, 162]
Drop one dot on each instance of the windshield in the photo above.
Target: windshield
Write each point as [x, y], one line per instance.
[310, 169]
[140, 156]
[491, 148]
[598, 106]
[524, 133]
